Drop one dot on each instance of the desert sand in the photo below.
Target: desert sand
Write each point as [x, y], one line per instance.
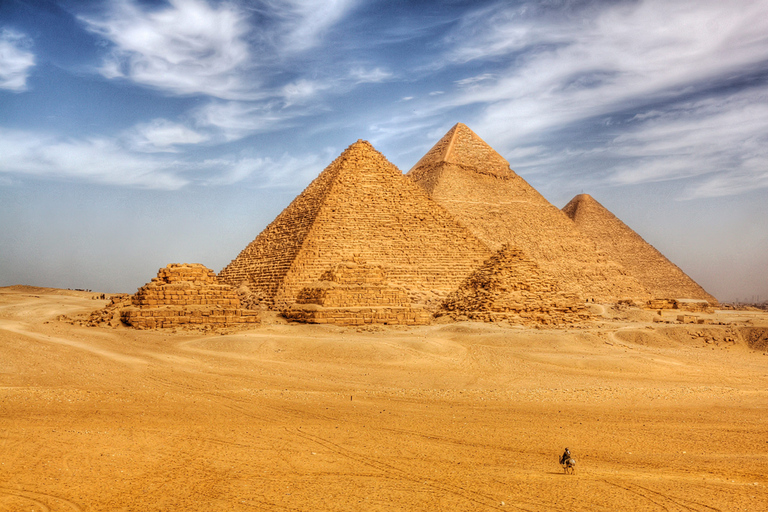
[454, 416]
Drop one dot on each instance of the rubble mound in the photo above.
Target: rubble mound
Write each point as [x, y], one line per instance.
[355, 293]
[511, 287]
[186, 295]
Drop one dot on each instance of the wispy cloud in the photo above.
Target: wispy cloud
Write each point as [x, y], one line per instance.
[95, 160]
[723, 141]
[569, 70]
[121, 161]
[267, 172]
[16, 60]
[361, 75]
[233, 120]
[188, 47]
[226, 49]
[161, 135]
[300, 24]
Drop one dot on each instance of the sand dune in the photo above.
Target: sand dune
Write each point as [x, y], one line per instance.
[466, 416]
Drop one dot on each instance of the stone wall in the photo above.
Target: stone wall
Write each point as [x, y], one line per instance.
[186, 295]
[511, 287]
[354, 293]
[360, 205]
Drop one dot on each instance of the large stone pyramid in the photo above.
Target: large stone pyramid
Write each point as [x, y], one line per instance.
[475, 184]
[659, 275]
[361, 206]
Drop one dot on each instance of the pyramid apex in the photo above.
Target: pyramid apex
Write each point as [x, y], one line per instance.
[463, 147]
[580, 202]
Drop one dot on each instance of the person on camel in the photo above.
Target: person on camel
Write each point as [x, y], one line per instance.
[566, 455]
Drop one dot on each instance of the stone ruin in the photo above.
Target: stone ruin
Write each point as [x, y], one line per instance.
[186, 295]
[692, 305]
[510, 287]
[355, 293]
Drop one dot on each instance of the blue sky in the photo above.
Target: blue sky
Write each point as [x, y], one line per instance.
[139, 133]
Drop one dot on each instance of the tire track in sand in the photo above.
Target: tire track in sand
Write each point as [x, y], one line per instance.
[46, 502]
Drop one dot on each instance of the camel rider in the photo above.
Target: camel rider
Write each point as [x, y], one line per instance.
[566, 456]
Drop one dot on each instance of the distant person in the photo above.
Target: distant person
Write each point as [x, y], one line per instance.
[566, 456]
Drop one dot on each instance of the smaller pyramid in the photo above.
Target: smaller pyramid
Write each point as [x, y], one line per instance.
[186, 295]
[354, 293]
[511, 287]
[661, 277]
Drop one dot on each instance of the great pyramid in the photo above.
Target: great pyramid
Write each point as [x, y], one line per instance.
[476, 185]
[360, 206]
[660, 276]
[509, 286]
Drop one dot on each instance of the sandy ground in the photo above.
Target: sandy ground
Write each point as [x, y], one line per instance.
[445, 417]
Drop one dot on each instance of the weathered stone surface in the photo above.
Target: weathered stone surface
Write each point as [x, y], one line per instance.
[360, 205]
[186, 295]
[698, 305]
[475, 184]
[354, 293]
[660, 276]
[511, 287]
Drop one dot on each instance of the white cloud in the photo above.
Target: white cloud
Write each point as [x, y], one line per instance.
[722, 141]
[15, 60]
[96, 160]
[189, 47]
[221, 49]
[267, 172]
[106, 161]
[302, 90]
[161, 135]
[375, 75]
[572, 69]
[302, 23]
[235, 119]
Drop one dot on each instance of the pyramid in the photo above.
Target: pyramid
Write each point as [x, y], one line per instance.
[475, 184]
[360, 206]
[509, 286]
[659, 275]
[355, 293]
[186, 295]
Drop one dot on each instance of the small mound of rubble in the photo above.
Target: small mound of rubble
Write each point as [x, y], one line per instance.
[510, 287]
[354, 293]
[108, 316]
